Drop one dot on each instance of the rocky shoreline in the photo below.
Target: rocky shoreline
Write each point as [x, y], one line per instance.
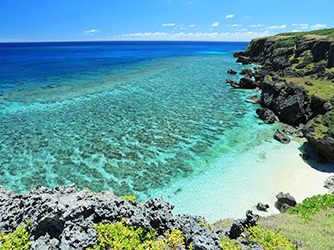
[296, 78]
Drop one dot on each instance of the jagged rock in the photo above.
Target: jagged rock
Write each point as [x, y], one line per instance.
[304, 44]
[262, 207]
[232, 72]
[247, 83]
[279, 63]
[318, 105]
[231, 82]
[266, 115]
[246, 72]
[253, 99]
[329, 183]
[238, 225]
[289, 102]
[279, 136]
[330, 62]
[286, 201]
[315, 70]
[323, 143]
[239, 53]
[320, 50]
[62, 218]
[293, 130]
[243, 60]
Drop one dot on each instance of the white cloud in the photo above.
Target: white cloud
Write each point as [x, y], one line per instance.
[90, 32]
[256, 25]
[277, 27]
[301, 25]
[194, 36]
[235, 25]
[169, 24]
[248, 17]
[318, 26]
[192, 25]
[230, 16]
[215, 24]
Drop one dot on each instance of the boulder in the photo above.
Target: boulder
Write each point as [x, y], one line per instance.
[279, 136]
[246, 72]
[247, 83]
[231, 82]
[239, 53]
[253, 99]
[266, 115]
[286, 201]
[238, 225]
[330, 62]
[329, 183]
[262, 207]
[244, 60]
[232, 72]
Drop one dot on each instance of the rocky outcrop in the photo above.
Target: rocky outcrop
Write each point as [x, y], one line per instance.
[296, 80]
[279, 136]
[285, 201]
[238, 225]
[266, 115]
[62, 218]
[232, 72]
[262, 207]
[253, 99]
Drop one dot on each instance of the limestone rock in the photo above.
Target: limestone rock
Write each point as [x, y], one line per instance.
[266, 115]
[232, 72]
[247, 83]
[329, 183]
[262, 207]
[286, 201]
[279, 136]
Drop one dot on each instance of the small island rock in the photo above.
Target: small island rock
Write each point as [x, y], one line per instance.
[279, 136]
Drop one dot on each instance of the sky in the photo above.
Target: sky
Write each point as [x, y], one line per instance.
[201, 20]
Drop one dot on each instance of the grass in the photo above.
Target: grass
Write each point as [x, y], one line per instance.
[288, 42]
[318, 233]
[328, 33]
[323, 89]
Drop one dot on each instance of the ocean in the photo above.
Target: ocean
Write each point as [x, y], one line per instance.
[140, 118]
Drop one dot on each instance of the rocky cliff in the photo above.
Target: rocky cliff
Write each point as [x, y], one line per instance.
[296, 76]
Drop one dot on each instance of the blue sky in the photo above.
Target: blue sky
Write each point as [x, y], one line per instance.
[213, 20]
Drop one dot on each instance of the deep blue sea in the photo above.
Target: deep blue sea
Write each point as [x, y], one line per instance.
[141, 118]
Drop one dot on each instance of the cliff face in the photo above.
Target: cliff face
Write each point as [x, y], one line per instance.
[297, 81]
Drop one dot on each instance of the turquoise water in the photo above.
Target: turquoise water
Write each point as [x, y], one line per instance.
[161, 126]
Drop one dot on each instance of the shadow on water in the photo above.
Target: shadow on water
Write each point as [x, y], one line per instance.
[312, 158]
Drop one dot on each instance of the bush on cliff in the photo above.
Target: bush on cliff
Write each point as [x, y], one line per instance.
[17, 240]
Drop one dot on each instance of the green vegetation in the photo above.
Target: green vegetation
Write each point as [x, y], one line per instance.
[284, 43]
[131, 198]
[17, 240]
[120, 236]
[269, 239]
[329, 33]
[226, 243]
[323, 89]
[329, 119]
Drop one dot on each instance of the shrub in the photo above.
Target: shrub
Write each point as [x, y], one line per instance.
[285, 43]
[226, 243]
[17, 240]
[131, 198]
[312, 205]
[269, 239]
[119, 236]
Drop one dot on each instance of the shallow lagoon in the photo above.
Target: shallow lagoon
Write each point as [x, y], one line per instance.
[161, 126]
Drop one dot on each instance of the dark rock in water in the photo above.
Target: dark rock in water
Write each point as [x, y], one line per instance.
[253, 99]
[244, 60]
[293, 130]
[329, 183]
[239, 53]
[286, 201]
[62, 218]
[266, 115]
[246, 72]
[247, 83]
[232, 83]
[262, 207]
[279, 136]
[238, 225]
[232, 72]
